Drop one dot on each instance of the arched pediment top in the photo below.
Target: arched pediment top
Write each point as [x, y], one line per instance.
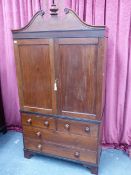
[69, 21]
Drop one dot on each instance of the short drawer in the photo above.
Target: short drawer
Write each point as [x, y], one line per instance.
[61, 138]
[38, 121]
[76, 127]
[62, 151]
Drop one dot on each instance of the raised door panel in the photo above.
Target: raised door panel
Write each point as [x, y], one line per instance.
[79, 92]
[35, 70]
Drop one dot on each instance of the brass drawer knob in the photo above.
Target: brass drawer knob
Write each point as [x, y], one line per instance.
[29, 121]
[67, 126]
[46, 123]
[87, 129]
[39, 146]
[77, 154]
[38, 134]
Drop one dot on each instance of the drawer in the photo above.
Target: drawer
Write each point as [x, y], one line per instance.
[61, 151]
[76, 127]
[38, 121]
[66, 139]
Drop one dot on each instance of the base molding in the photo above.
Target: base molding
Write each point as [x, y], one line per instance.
[93, 168]
[28, 154]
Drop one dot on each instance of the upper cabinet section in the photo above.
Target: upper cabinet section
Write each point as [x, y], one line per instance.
[69, 22]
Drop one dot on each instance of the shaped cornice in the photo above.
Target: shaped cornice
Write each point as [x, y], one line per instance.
[69, 21]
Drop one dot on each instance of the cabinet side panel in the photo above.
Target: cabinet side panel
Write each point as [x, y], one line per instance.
[101, 71]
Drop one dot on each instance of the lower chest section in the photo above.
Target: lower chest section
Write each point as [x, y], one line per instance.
[64, 138]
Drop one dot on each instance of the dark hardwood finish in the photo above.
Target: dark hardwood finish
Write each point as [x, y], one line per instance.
[39, 121]
[80, 128]
[63, 151]
[35, 70]
[60, 34]
[62, 117]
[94, 170]
[79, 95]
[61, 138]
[28, 154]
[60, 67]
[70, 22]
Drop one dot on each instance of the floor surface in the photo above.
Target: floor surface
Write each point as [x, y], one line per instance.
[12, 161]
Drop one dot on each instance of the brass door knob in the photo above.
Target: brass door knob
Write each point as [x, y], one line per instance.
[77, 154]
[87, 129]
[39, 146]
[38, 134]
[29, 121]
[67, 126]
[46, 123]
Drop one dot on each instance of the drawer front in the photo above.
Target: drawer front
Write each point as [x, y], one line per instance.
[76, 127]
[62, 151]
[39, 121]
[67, 139]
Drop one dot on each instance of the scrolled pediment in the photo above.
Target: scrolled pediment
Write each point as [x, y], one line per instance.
[69, 21]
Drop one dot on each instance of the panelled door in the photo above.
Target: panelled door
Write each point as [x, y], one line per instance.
[79, 76]
[35, 70]
[62, 76]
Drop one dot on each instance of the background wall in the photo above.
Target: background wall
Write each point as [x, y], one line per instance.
[116, 15]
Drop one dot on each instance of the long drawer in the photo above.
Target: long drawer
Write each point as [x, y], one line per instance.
[62, 151]
[61, 138]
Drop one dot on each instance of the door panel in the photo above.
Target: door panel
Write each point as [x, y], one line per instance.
[78, 80]
[77, 74]
[35, 59]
